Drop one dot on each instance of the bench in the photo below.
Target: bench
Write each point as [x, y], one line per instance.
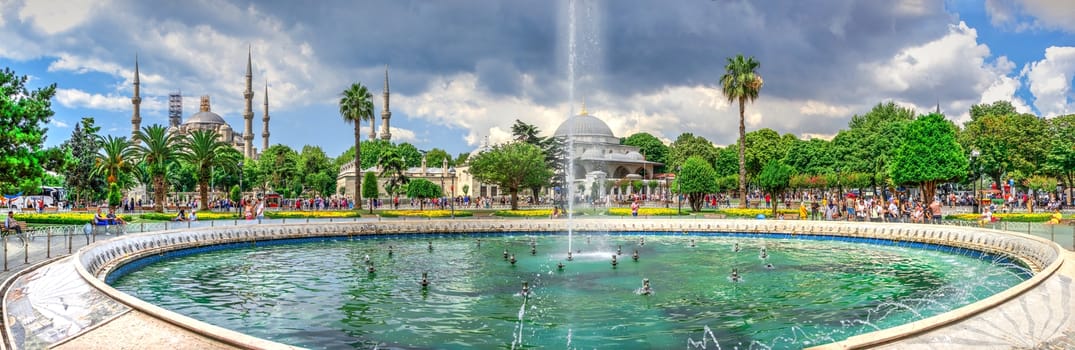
[22, 226]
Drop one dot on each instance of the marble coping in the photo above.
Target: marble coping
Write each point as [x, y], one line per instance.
[1043, 257]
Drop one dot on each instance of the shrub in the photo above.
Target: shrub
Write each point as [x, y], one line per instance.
[646, 212]
[1013, 217]
[202, 215]
[61, 218]
[333, 214]
[424, 213]
[750, 213]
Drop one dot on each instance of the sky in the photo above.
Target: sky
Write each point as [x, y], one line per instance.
[462, 71]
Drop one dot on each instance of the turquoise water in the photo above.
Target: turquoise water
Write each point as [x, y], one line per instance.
[319, 295]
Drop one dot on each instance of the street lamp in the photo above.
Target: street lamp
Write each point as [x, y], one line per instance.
[678, 198]
[451, 171]
[240, 204]
[974, 157]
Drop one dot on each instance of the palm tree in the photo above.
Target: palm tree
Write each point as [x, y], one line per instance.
[205, 150]
[158, 150]
[741, 83]
[114, 159]
[356, 105]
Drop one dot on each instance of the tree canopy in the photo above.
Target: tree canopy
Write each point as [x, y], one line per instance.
[423, 189]
[696, 178]
[23, 117]
[651, 147]
[928, 154]
[774, 178]
[512, 166]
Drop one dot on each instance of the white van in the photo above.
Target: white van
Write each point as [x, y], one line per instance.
[21, 202]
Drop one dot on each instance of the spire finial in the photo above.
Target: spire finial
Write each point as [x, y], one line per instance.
[248, 60]
[583, 108]
[136, 68]
[385, 78]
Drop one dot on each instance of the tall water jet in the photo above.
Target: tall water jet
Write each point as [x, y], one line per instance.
[582, 27]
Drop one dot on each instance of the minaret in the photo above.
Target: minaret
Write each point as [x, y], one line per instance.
[248, 113]
[136, 117]
[386, 114]
[265, 120]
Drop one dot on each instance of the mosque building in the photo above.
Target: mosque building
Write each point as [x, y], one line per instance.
[206, 119]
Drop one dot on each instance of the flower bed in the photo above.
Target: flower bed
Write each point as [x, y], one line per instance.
[646, 212]
[1013, 217]
[424, 213]
[327, 214]
[526, 213]
[202, 215]
[750, 213]
[62, 218]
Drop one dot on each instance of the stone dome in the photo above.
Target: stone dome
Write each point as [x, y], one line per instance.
[205, 117]
[584, 125]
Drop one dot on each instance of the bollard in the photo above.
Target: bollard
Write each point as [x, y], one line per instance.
[1052, 233]
[188, 224]
[1028, 228]
[70, 241]
[25, 251]
[5, 253]
[48, 245]
[283, 220]
[212, 223]
[307, 220]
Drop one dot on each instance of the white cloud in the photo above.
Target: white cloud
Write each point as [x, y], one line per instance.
[58, 123]
[52, 17]
[74, 98]
[402, 135]
[1020, 15]
[819, 108]
[1050, 81]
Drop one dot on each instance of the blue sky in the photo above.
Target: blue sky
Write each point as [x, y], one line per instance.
[463, 71]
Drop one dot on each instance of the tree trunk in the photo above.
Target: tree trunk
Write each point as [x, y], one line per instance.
[158, 193]
[514, 198]
[203, 193]
[742, 155]
[774, 205]
[928, 190]
[358, 166]
[371, 205]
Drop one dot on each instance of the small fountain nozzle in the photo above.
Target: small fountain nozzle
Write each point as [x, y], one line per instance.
[425, 280]
[635, 255]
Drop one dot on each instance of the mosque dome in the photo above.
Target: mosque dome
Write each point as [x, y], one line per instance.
[584, 125]
[206, 115]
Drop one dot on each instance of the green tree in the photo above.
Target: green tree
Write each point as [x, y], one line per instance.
[512, 166]
[81, 151]
[774, 179]
[436, 156]
[765, 145]
[369, 188]
[160, 151]
[411, 156]
[115, 196]
[696, 178]
[870, 141]
[687, 145]
[356, 105]
[23, 117]
[205, 151]
[651, 147]
[928, 154]
[813, 156]
[727, 162]
[423, 189]
[280, 166]
[1060, 159]
[115, 158]
[741, 83]
[1008, 142]
[551, 147]
[462, 158]
[235, 194]
[394, 170]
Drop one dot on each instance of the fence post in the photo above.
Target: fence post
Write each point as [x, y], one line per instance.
[48, 244]
[1052, 233]
[5, 253]
[142, 227]
[26, 250]
[70, 241]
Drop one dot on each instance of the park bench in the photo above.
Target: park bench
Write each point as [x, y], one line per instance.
[22, 225]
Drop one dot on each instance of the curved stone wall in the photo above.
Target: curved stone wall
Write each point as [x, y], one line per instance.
[96, 262]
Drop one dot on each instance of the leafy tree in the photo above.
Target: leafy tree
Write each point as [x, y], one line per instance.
[235, 194]
[466, 190]
[928, 154]
[727, 162]
[651, 147]
[115, 196]
[870, 141]
[774, 179]
[741, 83]
[1008, 142]
[81, 151]
[696, 178]
[763, 146]
[813, 156]
[1060, 159]
[280, 166]
[369, 188]
[410, 155]
[356, 105]
[205, 151]
[23, 117]
[316, 171]
[436, 157]
[394, 170]
[423, 189]
[687, 145]
[1040, 183]
[462, 158]
[160, 151]
[511, 166]
[551, 147]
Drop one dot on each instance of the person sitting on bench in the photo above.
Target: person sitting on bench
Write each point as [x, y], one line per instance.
[181, 216]
[99, 219]
[113, 219]
[11, 224]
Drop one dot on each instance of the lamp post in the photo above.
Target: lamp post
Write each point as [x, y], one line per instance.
[679, 199]
[240, 204]
[451, 171]
[974, 157]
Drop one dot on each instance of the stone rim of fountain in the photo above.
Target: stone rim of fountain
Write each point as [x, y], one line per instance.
[95, 262]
